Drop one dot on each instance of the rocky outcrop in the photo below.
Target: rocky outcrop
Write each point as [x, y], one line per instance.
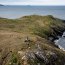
[39, 57]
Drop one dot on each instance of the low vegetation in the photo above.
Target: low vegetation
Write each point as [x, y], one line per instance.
[29, 41]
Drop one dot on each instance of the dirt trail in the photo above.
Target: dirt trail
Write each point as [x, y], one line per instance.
[13, 39]
[8, 33]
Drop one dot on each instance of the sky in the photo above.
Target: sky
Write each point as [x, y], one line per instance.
[32, 2]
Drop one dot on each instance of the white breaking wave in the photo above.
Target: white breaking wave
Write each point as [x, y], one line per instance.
[60, 40]
[61, 47]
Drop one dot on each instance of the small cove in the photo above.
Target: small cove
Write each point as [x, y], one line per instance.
[61, 42]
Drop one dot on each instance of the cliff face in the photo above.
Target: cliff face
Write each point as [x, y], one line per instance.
[29, 41]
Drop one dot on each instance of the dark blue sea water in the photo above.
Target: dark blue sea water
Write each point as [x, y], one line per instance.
[19, 11]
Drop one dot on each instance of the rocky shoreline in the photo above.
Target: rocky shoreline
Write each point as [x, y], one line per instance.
[57, 42]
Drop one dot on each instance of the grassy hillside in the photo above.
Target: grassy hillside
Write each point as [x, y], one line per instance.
[26, 41]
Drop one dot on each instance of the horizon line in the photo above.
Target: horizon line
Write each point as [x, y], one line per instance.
[29, 5]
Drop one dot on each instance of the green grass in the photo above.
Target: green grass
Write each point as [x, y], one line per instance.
[40, 27]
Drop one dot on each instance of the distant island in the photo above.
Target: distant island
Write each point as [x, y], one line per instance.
[1, 5]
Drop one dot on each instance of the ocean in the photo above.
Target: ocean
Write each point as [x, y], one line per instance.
[13, 12]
